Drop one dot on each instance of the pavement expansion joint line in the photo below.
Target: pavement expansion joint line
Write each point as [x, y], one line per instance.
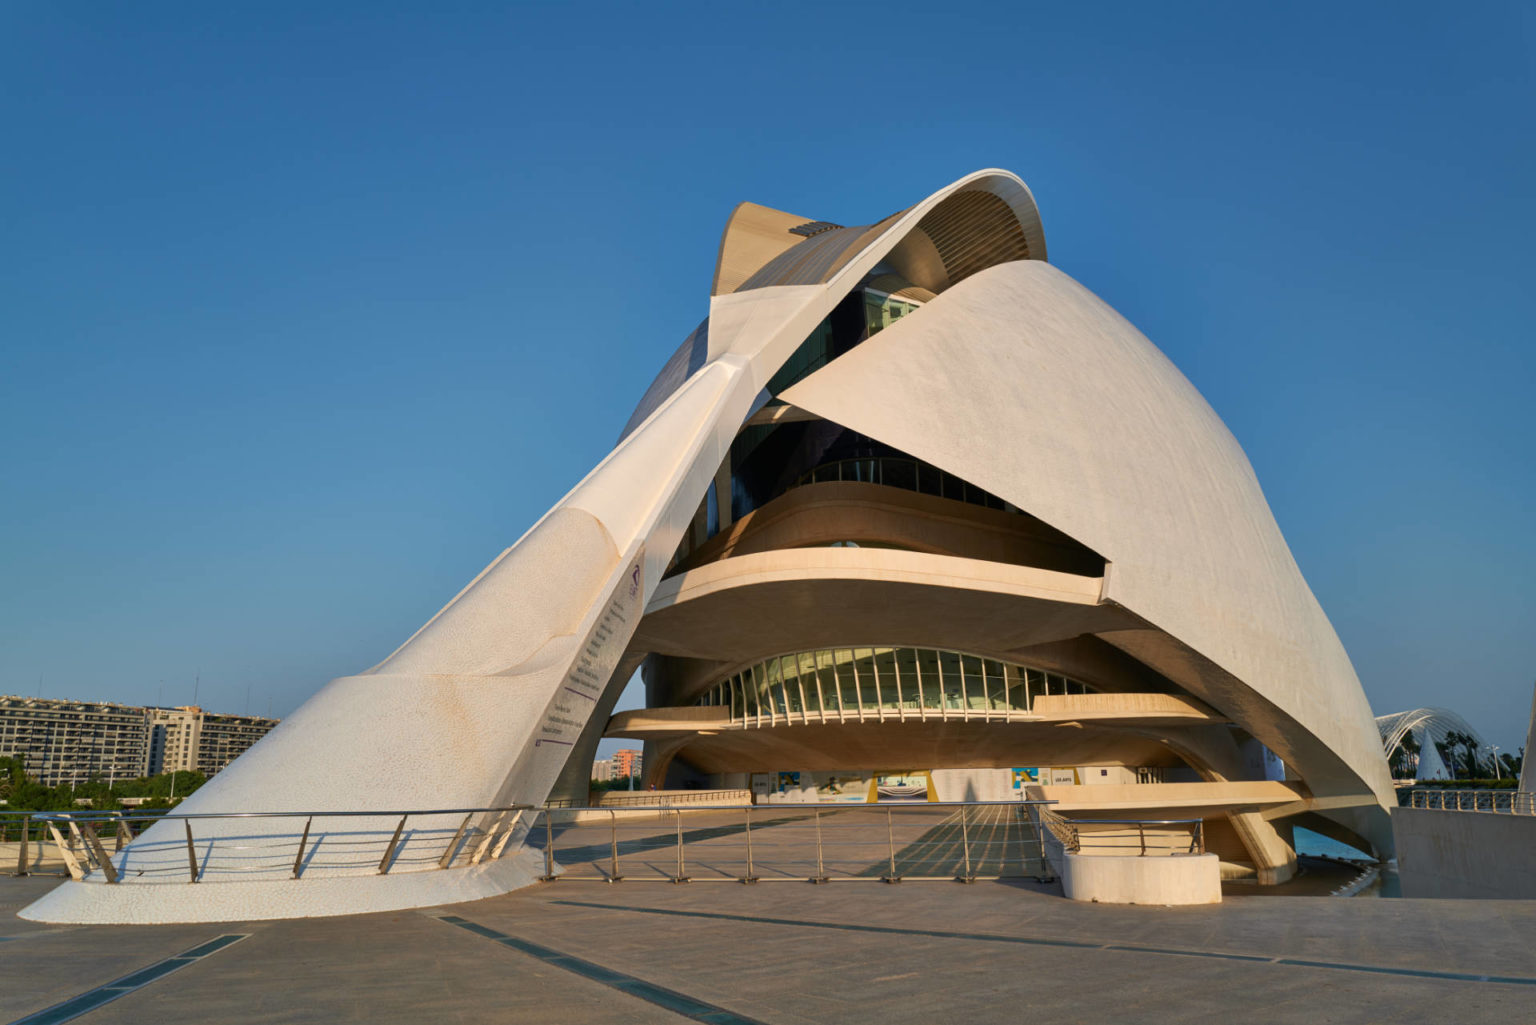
[91, 999]
[669, 999]
[1343, 966]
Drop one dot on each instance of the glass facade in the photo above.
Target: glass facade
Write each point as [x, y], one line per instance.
[857, 318]
[877, 684]
[881, 310]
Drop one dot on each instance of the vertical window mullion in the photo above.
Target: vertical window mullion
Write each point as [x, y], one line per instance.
[778, 702]
[874, 668]
[965, 702]
[805, 706]
[858, 692]
[922, 698]
[820, 695]
[943, 695]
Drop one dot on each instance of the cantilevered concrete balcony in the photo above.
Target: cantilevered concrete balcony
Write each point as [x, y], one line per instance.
[1079, 729]
[792, 599]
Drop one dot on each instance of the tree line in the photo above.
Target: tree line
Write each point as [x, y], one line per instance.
[20, 792]
[1463, 757]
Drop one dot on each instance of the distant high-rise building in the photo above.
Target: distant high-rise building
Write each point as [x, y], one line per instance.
[71, 741]
[602, 770]
[189, 738]
[626, 762]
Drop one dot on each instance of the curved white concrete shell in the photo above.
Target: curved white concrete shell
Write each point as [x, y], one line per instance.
[1090, 510]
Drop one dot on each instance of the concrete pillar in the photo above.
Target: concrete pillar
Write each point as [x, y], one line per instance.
[1273, 858]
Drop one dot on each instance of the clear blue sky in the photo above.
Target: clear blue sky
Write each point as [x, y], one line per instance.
[307, 315]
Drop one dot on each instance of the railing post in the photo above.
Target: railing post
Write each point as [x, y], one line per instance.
[549, 848]
[453, 845]
[682, 869]
[191, 851]
[821, 872]
[613, 825]
[506, 834]
[1018, 820]
[1141, 831]
[75, 837]
[389, 852]
[102, 859]
[1039, 823]
[67, 855]
[750, 877]
[484, 847]
[965, 844]
[298, 859]
[890, 836]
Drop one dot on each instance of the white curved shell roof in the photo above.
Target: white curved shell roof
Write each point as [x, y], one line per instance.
[1023, 382]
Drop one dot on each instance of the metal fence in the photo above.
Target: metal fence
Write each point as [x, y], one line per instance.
[1507, 802]
[196, 848]
[668, 843]
[795, 842]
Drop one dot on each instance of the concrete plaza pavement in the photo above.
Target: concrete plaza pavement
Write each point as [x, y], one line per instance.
[847, 952]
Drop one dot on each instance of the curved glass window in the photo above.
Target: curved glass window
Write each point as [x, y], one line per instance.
[881, 685]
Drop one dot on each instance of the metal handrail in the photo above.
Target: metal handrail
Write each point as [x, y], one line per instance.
[84, 854]
[964, 840]
[1070, 834]
[155, 814]
[1506, 802]
[807, 805]
[805, 841]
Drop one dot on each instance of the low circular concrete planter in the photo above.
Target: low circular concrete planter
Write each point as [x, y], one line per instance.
[1135, 879]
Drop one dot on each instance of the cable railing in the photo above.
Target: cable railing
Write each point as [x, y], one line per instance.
[672, 842]
[819, 843]
[215, 847]
[1139, 837]
[1504, 802]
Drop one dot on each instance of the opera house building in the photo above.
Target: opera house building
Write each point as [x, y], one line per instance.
[976, 535]
[911, 515]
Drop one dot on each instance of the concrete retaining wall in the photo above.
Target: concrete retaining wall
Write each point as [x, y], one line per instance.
[1122, 879]
[1465, 854]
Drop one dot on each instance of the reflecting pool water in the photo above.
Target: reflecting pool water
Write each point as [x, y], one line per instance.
[1308, 842]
